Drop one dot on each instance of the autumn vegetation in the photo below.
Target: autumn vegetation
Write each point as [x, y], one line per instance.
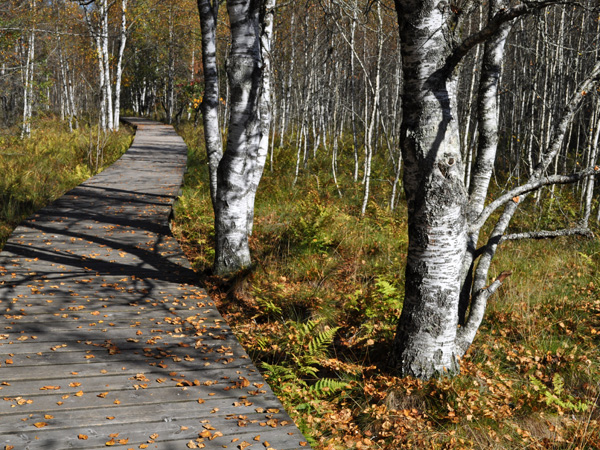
[52, 161]
[318, 308]
[531, 379]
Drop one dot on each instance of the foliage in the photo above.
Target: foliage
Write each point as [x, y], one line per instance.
[321, 268]
[556, 396]
[42, 168]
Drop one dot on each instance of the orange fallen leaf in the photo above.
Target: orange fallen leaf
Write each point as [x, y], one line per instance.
[75, 384]
[102, 394]
[48, 417]
[79, 394]
[40, 424]
[83, 437]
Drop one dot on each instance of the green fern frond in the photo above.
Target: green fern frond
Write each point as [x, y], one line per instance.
[328, 386]
[318, 345]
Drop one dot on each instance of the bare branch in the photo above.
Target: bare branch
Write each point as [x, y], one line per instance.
[514, 194]
[586, 232]
[503, 16]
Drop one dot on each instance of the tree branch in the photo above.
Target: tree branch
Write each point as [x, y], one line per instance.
[493, 26]
[514, 194]
[548, 234]
[467, 333]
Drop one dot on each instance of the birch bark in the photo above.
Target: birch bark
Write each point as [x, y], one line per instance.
[119, 70]
[241, 165]
[209, 12]
[426, 333]
[28, 79]
[443, 222]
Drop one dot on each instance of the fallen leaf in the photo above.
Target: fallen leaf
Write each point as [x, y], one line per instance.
[83, 437]
[40, 424]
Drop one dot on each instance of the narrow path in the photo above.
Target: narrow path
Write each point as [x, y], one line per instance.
[105, 341]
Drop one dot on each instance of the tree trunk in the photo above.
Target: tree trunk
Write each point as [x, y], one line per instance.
[267, 20]
[210, 102]
[241, 161]
[106, 64]
[28, 79]
[433, 181]
[119, 74]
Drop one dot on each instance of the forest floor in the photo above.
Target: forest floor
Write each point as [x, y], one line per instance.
[318, 314]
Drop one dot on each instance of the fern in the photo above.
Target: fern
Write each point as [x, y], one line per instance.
[305, 347]
[556, 396]
[318, 344]
[326, 386]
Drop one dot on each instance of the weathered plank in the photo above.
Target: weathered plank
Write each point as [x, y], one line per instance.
[105, 340]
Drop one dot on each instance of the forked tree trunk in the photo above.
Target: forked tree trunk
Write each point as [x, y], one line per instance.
[443, 223]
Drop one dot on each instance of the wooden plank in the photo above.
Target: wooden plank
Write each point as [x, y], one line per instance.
[103, 330]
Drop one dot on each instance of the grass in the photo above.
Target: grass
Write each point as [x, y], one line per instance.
[43, 167]
[319, 312]
[530, 380]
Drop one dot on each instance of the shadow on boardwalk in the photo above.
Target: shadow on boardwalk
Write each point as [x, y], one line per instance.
[104, 338]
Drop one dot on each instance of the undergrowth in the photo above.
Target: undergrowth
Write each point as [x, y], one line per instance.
[39, 169]
[319, 312]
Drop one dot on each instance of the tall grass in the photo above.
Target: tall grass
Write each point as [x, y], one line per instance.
[530, 380]
[40, 169]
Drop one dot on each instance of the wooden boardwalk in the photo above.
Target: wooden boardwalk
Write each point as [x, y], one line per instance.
[105, 340]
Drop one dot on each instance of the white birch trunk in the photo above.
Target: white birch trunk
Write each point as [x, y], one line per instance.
[119, 70]
[487, 122]
[210, 103]
[106, 64]
[241, 161]
[267, 19]
[425, 342]
[28, 80]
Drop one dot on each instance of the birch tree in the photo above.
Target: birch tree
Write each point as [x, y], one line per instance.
[444, 219]
[236, 172]
[28, 76]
